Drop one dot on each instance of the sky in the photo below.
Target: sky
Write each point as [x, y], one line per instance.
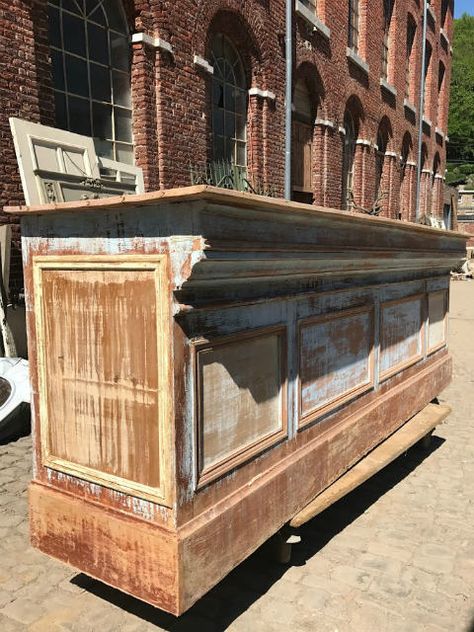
[463, 6]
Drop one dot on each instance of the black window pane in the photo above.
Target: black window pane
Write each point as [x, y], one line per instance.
[120, 50]
[123, 125]
[122, 89]
[76, 74]
[74, 6]
[57, 69]
[74, 34]
[100, 83]
[60, 110]
[54, 27]
[115, 17]
[79, 116]
[102, 117]
[95, 12]
[98, 44]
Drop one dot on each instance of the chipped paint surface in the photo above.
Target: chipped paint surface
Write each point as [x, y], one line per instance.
[270, 426]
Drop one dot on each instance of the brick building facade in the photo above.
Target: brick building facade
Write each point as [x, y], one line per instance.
[357, 66]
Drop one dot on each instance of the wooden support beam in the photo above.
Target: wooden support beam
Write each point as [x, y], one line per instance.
[410, 433]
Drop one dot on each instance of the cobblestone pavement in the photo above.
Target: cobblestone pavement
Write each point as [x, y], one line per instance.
[395, 555]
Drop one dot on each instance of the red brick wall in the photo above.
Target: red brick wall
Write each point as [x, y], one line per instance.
[171, 96]
[467, 227]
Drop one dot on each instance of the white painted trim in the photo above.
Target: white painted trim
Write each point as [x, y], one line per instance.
[410, 163]
[203, 64]
[445, 35]
[342, 131]
[427, 171]
[431, 12]
[439, 132]
[427, 122]
[388, 87]
[357, 60]
[312, 19]
[391, 154]
[409, 106]
[446, 138]
[264, 94]
[364, 142]
[438, 176]
[150, 40]
[324, 123]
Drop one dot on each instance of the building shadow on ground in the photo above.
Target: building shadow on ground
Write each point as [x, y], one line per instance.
[254, 577]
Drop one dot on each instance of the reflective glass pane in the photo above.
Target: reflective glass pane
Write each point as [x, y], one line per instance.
[218, 147]
[60, 110]
[123, 125]
[124, 153]
[229, 98]
[95, 12]
[57, 69]
[122, 94]
[229, 129]
[102, 119]
[76, 75]
[240, 128]
[217, 94]
[98, 44]
[104, 148]
[100, 83]
[218, 122]
[54, 27]
[241, 102]
[241, 154]
[74, 6]
[120, 51]
[79, 116]
[74, 34]
[115, 17]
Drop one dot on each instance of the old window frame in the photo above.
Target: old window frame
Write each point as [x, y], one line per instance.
[229, 80]
[107, 70]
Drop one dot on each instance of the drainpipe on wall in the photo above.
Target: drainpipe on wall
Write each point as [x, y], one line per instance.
[288, 99]
[421, 110]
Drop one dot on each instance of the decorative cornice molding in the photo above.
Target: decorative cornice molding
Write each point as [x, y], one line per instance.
[325, 123]
[364, 142]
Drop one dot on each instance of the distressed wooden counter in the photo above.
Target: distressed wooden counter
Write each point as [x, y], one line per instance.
[205, 362]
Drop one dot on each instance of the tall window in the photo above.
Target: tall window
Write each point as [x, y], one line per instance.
[302, 145]
[90, 55]
[350, 138]
[411, 32]
[426, 74]
[353, 32]
[441, 96]
[229, 103]
[387, 11]
[382, 143]
[444, 11]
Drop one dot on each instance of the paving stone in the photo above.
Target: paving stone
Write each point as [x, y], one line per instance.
[23, 610]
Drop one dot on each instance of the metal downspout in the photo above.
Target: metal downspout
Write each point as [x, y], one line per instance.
[288, 95]
[421, 110]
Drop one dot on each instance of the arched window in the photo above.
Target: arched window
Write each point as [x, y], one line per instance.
[405, 211]
[382, 142]
[410, 61]
[353, 31]
[350, 137]
[90, 55]
[229, 103]
[388, 11]
[302, 144]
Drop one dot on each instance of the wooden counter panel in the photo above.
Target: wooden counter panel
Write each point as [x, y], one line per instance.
[437, 319]
[100, 356]
[336, 359]
[401, 334]
[240, 399]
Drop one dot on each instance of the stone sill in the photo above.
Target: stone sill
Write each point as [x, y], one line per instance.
[409, 106]
[357, 60]
[312, 19]
[388, 87]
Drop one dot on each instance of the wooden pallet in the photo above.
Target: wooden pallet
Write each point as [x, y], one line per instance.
[417, 428]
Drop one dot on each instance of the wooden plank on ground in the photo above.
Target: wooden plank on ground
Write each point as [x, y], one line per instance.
[409, 434]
